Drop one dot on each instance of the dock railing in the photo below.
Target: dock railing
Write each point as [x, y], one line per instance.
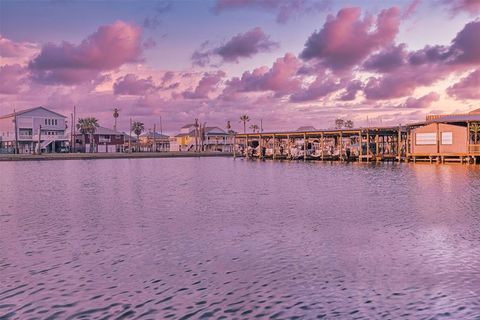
[474, 149]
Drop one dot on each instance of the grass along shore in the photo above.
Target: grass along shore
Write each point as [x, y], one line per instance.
[112, 155]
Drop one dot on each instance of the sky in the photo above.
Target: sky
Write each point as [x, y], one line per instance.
[284, 63]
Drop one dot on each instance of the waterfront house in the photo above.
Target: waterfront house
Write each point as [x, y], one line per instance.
[154, 141]
[449, 134]
[29, 130]
[104, 140]
[209, 139]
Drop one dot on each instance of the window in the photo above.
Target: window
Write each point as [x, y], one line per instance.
[425, 138]
[46, 121]
[49, 122]
[447, 138]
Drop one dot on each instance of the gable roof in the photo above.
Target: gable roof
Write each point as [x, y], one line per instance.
[17, 113]
[157, 135]
[306, 128]
[188, 125]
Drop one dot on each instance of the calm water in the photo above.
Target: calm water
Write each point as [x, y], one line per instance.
[222, 238]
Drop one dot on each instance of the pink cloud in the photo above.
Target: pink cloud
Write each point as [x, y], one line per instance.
[470, 6]
[422, 102]
[285, 10]
[243, 45]
[130, 84]
[402, 75]
[410, 9]
[467, 88]
[351, 90]
[345, 40]
[280, 78]
[108, 48]
[321, 87]
[12, 77]
[387, 60]
[11, 49]
[207, 84]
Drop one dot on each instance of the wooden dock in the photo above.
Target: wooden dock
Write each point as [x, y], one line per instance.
[378, 144]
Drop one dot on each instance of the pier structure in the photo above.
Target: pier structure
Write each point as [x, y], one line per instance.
[440, 139]
[362, 144]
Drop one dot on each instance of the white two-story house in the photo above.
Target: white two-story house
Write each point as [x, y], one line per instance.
[33, 129]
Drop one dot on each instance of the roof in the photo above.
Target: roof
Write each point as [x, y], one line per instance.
[188, 125]
[157, 135]
[456, 118]
[106, 131]
[17, 113]
[306, 128]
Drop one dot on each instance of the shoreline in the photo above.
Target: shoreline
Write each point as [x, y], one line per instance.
[116, 155]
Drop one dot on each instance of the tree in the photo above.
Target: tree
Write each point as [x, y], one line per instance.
[254, 128]
[339, 123]
[138, 127]
[244, 119]
[88, 126]
[116, 114]
[348, 124]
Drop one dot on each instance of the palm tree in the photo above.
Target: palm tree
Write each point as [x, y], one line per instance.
[348, 124]
[339, 123]
[254, 128]
[138, 127]
[115, 116]
[88, 126]
[244, 119]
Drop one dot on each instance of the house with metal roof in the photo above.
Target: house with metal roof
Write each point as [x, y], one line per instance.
[202, 138]
[33, 130]
[104, 140]
[154, 141]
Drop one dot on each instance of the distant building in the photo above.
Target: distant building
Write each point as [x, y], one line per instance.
[306, 129]
[104, 140]
[154, 141]
[212, 139]
[33, 129]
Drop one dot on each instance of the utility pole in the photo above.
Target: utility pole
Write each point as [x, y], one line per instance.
[39, 139]
[154, 138]
[74, 128]
[196, 134]
[71, 132]
[161, 130]
[261, 125]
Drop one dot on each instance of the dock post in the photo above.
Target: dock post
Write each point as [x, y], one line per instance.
[304, 146]
[340, 155]
[260, 146]
[399, 142]
[407, 146]
[273, 156]
[368, 145]
[322, 145]
[289, 152]
[234, 145]
[360, 143]
[377, 147]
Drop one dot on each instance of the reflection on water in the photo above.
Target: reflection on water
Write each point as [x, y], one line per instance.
[223, 238]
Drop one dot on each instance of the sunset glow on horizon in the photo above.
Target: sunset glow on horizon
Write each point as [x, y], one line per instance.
[286, 63]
